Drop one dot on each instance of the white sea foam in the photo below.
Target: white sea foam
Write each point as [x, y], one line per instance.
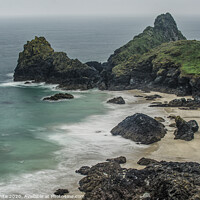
[22, 84]
[10, 75]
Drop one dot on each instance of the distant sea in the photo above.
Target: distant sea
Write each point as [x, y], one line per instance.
[43, 143]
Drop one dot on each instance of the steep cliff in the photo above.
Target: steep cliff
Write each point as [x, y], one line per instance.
[40, 63]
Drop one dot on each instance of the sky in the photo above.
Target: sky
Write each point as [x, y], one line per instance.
[98, 7]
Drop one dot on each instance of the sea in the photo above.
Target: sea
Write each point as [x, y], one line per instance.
[43, 143]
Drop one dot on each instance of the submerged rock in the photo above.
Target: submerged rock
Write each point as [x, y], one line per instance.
[59, 96]
[185, 130]
[116, 100]
[140, 128]
[40, 63]
[159, 180]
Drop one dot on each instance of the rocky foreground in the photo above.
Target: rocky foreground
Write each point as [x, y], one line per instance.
[157, 181]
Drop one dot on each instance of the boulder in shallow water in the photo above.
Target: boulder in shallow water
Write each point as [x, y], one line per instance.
[140, 128]
[116, 100]
[59, 96]
[61, 192]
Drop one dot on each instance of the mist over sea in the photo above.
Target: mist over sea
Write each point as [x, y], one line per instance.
[43, 143]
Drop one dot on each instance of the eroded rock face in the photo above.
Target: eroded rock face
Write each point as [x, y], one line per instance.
[39, 62]
[159, 180]
[140, 128]
[116, 100]
[59, 96]
[185, 130]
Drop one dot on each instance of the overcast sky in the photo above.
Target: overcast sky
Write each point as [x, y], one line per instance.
[98, 7]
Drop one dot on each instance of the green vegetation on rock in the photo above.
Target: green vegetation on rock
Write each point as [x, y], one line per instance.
[164, 30]
[183, 54]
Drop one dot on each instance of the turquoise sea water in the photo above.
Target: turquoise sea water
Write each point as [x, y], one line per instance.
[51, 139]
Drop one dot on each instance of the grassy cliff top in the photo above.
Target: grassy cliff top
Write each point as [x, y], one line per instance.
[164, 30]
[184, 54]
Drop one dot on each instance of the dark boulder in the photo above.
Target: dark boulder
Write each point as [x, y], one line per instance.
[116, 100]
[61, 192]
[147, 161]
[140, 128]
[120, 160]
[194, 125]
[185, 130]
[59, 96]
[27, 82]
[152, 97]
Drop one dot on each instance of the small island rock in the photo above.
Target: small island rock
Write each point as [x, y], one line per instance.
[59, 96]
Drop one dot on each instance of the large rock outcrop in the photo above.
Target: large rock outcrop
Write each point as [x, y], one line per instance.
[140, 128]
[158, 181]
[39, 62]
[157, 59]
